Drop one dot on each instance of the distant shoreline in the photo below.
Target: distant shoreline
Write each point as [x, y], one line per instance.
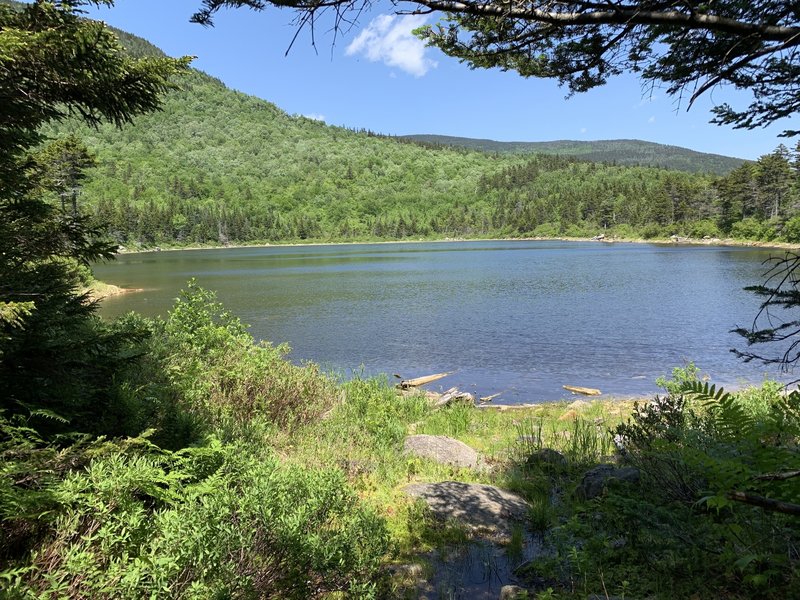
[680, 241]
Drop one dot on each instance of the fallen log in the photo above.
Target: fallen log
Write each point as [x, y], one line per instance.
[429, 395]
[454, 395]
[418, 381]
[582, 390]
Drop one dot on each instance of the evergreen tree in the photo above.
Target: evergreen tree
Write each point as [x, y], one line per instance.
[56, 359]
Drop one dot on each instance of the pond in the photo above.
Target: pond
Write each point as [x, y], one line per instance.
[518, 318]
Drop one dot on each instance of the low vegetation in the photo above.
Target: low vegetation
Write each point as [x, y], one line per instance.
[248, 476]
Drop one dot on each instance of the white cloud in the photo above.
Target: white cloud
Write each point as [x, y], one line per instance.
[388, 39]
[583, 129]
[652, 119]
[315, 117]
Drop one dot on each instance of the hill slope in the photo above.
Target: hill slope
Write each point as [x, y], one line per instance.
[622, 152]
[219, 166]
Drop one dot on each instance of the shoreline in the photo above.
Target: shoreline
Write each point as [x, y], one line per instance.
[679, 241]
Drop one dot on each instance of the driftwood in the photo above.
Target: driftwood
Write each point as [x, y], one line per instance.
[439, 400]
[505, 407]
[489, 398]
[582, 390]
[454, 396]
[432, 396]
[418, 381]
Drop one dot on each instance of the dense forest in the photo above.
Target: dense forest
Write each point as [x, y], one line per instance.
[216, 166]
[556, 196]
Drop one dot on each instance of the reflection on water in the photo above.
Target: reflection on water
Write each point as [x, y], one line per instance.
[521, 318]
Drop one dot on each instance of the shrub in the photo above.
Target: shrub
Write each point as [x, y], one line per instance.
[547, 230]
[719, 455]
[580, 230]
[703, 228]
[215, 521]
[753, 229]
[651, 231]
[680, 376]
[228, 379]
[791, 230]
[624, 231]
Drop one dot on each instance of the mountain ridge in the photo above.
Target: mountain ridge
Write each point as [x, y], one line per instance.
[619, 151]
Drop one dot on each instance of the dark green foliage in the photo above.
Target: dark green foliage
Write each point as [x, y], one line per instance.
[127, 517]
[711, 463]
[717, 472]
[219, 167]
[214, 521]
[225, 378]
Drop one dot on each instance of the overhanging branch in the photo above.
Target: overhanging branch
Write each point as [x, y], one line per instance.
[617, 15]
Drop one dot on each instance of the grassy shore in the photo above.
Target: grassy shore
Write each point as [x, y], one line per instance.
[244, 475]
[363, 435]
[605, 546]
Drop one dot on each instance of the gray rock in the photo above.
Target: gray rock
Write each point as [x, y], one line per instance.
[473, 505]
[512, 592]
[442, 449]
[596, 480]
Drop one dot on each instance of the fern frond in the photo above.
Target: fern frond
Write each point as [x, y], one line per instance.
[48, 414]
[726, 414]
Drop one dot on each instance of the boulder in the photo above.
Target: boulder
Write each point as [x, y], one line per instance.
[596, 480]
[570, 415]
[479, 507]
[442, 449]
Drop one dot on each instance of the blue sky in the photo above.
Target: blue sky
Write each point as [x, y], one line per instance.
[379, 77]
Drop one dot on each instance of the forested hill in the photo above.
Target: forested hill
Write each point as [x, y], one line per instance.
[621, 152]
[219, 166]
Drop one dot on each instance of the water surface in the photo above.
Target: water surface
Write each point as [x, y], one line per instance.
[522, 318]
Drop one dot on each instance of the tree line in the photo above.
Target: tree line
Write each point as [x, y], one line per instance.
[537, 195]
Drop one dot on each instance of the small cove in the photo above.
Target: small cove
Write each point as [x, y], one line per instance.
[521, 318]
